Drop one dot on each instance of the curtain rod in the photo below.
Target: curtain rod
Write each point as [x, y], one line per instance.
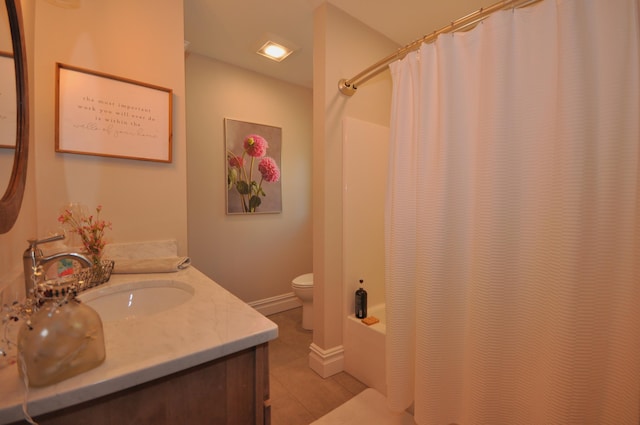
[349, 87]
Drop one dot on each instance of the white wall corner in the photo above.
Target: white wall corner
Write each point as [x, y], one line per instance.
[326, 362]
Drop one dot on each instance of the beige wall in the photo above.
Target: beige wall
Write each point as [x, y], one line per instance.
[365, 150]
[142, 41]
[253, 256]
[13, 243]
[149, 201]
[343, 47]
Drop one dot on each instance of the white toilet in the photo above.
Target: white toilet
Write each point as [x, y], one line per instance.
[303, 288]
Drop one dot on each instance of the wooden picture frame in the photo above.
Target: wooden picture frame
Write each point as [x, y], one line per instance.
[104, 115]
[8, 102]
[253, 168]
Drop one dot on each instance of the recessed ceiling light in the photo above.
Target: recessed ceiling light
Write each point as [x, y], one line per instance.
[274, 51]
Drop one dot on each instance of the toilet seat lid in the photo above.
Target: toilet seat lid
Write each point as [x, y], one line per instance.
[304, 280]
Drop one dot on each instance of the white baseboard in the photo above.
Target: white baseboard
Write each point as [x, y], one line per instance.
[326, 362]
[276, 304]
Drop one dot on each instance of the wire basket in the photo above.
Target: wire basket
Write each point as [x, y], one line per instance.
[96, 275]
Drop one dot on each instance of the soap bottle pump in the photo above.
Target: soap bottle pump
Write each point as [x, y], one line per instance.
[361, 301]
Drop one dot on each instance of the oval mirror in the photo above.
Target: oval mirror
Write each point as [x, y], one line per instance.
[14, 129]
[7, 101]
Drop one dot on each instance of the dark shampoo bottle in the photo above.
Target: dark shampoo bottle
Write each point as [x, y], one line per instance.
[361, 302]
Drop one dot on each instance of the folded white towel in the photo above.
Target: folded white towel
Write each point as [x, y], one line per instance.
[151, 265]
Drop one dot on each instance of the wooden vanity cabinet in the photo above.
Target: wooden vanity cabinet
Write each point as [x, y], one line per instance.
[233, 390]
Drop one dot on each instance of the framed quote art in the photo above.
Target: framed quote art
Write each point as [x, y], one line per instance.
[100, 114]
[253, 167]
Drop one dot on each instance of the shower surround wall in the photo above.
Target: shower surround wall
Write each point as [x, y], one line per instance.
[365, 349]
[365, 180]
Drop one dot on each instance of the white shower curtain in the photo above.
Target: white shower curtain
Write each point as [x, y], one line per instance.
[512, 221]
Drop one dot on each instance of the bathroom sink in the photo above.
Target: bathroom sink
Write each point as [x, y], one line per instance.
[137, 299]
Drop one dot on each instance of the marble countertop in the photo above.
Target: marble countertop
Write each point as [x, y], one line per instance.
[211, 325]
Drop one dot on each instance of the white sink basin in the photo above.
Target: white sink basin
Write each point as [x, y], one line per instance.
[137, 299]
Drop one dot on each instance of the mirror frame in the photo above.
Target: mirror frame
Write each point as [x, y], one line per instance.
[12, 198]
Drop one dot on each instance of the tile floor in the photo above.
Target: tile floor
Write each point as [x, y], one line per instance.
[299, 396]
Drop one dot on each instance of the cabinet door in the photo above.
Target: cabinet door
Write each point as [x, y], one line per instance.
[233, 390]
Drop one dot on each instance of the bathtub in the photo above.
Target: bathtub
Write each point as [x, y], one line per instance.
[364, 349]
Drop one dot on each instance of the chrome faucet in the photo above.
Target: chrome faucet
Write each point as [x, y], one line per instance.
[33, 259]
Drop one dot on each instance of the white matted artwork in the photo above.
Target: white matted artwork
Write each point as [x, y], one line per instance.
[100, 114]
[253, 176]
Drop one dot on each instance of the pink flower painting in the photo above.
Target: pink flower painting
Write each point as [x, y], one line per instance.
[253, 177]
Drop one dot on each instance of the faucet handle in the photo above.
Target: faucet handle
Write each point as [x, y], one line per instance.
[35, 242]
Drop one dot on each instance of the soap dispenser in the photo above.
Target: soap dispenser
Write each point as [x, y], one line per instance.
[361, 301]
